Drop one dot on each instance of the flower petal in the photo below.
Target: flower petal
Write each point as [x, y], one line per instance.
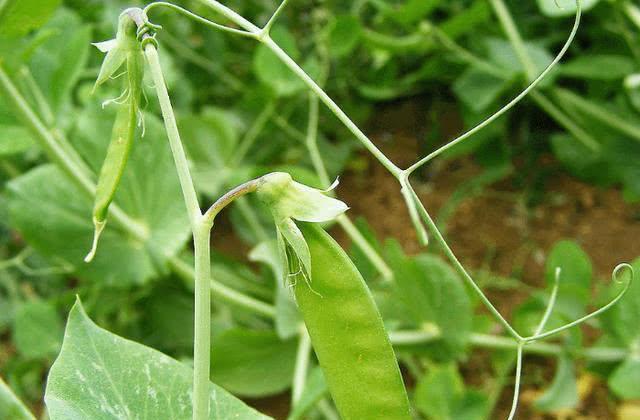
[312, 205]
[105, 46]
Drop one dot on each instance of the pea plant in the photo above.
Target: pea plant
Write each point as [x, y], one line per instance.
[321, 299]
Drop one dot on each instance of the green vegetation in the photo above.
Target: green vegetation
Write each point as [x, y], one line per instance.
[244, 109]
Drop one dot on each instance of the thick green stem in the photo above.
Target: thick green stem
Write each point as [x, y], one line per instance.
[201, 228]
[202, 330]
[179, 155]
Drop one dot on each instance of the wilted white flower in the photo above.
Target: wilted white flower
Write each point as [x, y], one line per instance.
[290, 201]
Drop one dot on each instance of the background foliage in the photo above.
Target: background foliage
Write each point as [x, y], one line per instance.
[242, 114]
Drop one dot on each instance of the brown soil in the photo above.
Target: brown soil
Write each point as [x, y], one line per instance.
[496, 231]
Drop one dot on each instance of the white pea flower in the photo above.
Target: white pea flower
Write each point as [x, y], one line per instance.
[290, 201]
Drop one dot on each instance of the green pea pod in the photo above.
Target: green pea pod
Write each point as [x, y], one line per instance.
[124, 128]
[348, 335]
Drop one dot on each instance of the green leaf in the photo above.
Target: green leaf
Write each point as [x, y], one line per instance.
[58, 63]
[441, 395]
[478, 89]
[343, 34]
[14, 140]
[606, 67]
[566, 7]
[413, 11]
[99, 375]
[288, 318]
[37, 330]
[434, 299]
[55, 217]
[315, 388]
[622, 321]
[575, 277]
[252, 363]
[10, 406]
[210, 139]
[437, 391]
[563, 392]
[501, 52]
[625, 380]
[271, 71]
[18, 17]
[167, 321]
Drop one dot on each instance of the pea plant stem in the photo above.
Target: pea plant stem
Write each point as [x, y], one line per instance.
[311, 141]
[511, 30]
[302, 365]
[529, 90]
[263, 36]
[564, 120]
[509, 26]
[333, 107]
[224, 293]
[201, 227]
[46, 139]
[459, 267]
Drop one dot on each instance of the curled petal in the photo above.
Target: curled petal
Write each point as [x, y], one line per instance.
[333, 186]
[289, 199]
[311, 205]
[105, 46]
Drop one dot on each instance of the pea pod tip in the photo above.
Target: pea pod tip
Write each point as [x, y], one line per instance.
[97, 231]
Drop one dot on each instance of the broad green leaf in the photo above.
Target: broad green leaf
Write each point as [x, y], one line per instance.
[14, 140]
[37, 329]
[55, 217]
[559, 8]
[478, 89]
[501, 52]
[11, 407]
[563, 392]
[437, 391]
[598, 67]
[167, 321]
[210, 139]
[575, 277]
[252, 363]
[99, 375]
[577, 157]
[343, 34]
[434, 299]
[58, 63]
[625, 380]
[271, 71]
[441, 395]
[413, 11]
[18, 17]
